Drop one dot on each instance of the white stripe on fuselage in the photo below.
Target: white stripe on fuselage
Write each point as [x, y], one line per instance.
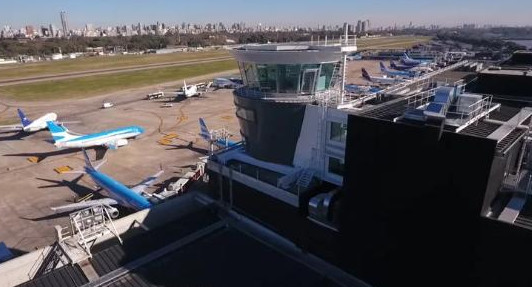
[102, 140]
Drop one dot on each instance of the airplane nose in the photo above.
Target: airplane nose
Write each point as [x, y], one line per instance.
[140, 130]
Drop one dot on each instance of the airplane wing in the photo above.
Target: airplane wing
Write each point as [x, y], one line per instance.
[83, 204]
[10, 128]
[141, 187]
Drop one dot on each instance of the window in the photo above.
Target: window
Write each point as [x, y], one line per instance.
[338, 132]
[326, 73]
[289, 78]
[267, 76]
[336, 166]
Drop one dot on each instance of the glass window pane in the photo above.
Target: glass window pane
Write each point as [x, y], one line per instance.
[336, 166]
[338, 132]
[289, 78]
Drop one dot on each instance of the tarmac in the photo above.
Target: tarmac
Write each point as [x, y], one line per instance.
[29, 185]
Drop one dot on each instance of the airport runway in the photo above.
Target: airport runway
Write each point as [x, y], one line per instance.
[62, 76]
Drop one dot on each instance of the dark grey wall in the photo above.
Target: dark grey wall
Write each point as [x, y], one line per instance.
[272, 135]
[412, 203]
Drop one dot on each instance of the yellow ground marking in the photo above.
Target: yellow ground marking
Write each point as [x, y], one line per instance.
[62, 169]
[164, 141]
[33, 159]
[170, 136]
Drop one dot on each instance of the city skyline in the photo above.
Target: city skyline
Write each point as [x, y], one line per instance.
[297, 12]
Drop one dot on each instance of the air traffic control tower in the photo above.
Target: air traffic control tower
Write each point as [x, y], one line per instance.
[279, 82]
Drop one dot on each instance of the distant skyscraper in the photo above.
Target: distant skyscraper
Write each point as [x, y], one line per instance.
[368, 27]
[64, 23]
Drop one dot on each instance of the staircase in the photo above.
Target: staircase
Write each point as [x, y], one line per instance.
[336, 78]
[305, 178]
[52, 259]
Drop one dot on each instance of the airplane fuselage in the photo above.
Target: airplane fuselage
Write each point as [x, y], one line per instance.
[117, 191]
[110, 138]
[40, 123]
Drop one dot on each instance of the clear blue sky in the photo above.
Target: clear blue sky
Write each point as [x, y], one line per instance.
[272, 12]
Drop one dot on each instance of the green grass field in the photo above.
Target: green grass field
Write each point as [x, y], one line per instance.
[399, 42]
[95, 85]
[102, 62]
[100, 84]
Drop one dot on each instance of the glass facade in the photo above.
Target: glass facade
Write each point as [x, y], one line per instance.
[336, 166]
[287, 79]
[338, 132]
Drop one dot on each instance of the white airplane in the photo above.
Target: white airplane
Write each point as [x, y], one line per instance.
[193, 90]
[29, 126]
[114, 192]
[381, 80]
[112, 139]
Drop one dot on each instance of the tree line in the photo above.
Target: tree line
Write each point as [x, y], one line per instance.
[49, 46]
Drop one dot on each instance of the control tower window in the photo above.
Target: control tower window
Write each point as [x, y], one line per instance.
[336, 166]
[338, 132]
[250, 75]
[326, 72]
[289, 78]
[267, 76]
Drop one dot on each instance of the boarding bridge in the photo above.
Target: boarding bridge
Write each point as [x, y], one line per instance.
[75, 241]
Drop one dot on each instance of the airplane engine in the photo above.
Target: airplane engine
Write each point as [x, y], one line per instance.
[121, 142]
[113, 212]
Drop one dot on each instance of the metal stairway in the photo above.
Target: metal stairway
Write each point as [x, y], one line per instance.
[336, 78]
[305, 178]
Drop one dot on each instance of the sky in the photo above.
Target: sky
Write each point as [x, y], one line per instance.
[18, 13]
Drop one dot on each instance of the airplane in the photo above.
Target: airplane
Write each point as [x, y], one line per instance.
[394, 66]
[114, 192]
[26, 125]
[403, 74]
[420, 68]
[231, 83]
[188, 91]
[406, 60]
[112, 139]
[210, 137]
[381, 80]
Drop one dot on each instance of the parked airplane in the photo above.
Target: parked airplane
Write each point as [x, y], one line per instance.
[419, 69]
[63, 138]
[406, 60]
[210, 137]
[403, 74]
[193, 90]
[230, 83]
[380, 80]
[27, 125]
[115, 193]
[394, 66]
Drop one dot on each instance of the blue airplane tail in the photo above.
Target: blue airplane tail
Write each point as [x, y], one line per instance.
[365, 75]
[204, 131]
[383, 68]
[23, 119]
[88, 163]
[59, 133]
